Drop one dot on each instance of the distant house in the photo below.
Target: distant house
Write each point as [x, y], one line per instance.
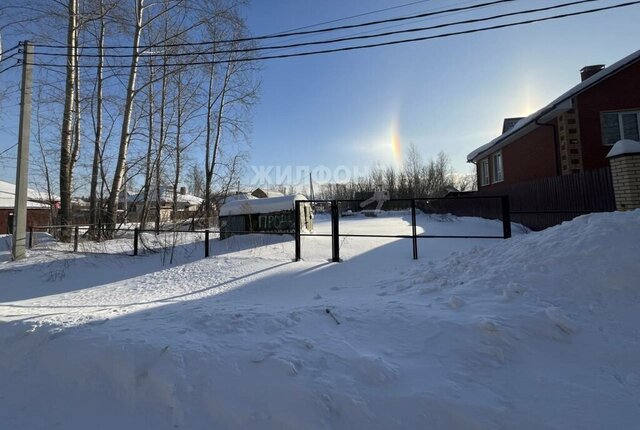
[263, 194]
[572, 134]
[234, 197]
[39, 208]
[271, 215]
[188, 204]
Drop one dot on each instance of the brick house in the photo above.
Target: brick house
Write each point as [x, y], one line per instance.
[38, 210]
[572, 134]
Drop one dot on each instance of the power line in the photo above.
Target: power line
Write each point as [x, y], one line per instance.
[10, 57]
[9, 68]
[375, 45]
[296, 33]
[9, 50]
[351, 17]
[8, 149]
[337, 40]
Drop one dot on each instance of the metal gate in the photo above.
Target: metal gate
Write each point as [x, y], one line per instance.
[498, 208]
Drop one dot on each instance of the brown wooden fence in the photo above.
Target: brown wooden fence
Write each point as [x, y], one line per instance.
[547, 202]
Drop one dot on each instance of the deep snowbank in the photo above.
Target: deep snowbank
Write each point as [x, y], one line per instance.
[537, 332]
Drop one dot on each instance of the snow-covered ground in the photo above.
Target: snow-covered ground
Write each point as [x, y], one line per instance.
[536, 332]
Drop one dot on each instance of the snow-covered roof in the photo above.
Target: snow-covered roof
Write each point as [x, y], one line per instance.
[183, 198]
[8, 195]
[556, 107]
[260, 206]
[166, 196]
[623, 147]
[239, 196]
[270, 193]
[265, 193]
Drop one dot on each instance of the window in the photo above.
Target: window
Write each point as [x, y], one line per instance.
[620, 125]
[498, 173]
[484, 172]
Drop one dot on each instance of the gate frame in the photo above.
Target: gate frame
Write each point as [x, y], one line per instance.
[335, 224]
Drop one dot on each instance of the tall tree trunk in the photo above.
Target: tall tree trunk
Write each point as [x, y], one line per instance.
[176, 178]
[211, 160]
[66, 136]
[125, 134]
[148, 164]
[94, 203]
[161, 141]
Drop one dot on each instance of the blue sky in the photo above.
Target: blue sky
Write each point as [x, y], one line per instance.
[444, 95]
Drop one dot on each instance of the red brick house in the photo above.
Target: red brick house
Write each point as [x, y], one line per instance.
[572, 134]
[38, 210]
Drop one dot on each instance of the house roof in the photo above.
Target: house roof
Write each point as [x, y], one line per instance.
[239, 196]
[260, 206]
[269, 193]
[8, 195]
[550, 111]
[166, 195]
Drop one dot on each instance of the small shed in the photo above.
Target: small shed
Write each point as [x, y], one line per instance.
[39, 208]
[269, 215]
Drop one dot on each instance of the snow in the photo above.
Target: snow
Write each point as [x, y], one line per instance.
[559, 105]
[8, 196]
[166, 196]
[239, 196]
[535, 332]
[623, 147]
[260, 206]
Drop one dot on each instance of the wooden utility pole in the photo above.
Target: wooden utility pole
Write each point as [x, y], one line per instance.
[22, 168]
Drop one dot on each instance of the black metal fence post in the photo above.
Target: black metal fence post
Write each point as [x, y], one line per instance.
[335, 232]
[136, 233]
[75, 239]
[506, 217]
[206, 243]
[414, 229]
[297, 227]
[30, 237]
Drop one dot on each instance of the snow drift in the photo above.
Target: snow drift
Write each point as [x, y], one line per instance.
[536, 332]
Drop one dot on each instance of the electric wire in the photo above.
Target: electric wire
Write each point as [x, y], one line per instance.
[337, 40]
[297, 33]
[10, 57]
[375, 45]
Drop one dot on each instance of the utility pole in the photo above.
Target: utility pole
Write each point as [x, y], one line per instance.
[22, 168]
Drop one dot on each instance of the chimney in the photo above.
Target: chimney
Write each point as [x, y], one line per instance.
[183, 190]
[589, 71]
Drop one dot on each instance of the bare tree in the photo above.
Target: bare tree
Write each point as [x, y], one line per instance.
[70, 104]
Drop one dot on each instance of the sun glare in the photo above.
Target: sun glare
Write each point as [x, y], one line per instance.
[396, 149]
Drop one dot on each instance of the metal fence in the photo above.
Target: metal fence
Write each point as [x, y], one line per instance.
[135, 241]
[499, 209]
[550, 201]
[126, 240]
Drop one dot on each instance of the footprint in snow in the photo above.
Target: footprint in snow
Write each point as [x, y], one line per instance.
[456, 302]
[560, 319]
[489, 326]
[513, 290]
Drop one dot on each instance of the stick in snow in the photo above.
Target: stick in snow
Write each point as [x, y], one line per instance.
[332, 316]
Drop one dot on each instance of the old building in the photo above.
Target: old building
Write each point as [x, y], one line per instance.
[266, 215]
[39, 210]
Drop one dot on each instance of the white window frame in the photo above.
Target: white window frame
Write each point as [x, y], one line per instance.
[620, 126]
[497, 178]
[484, 168]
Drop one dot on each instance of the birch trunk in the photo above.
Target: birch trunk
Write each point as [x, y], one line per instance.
[66, 136]
[118, 176]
